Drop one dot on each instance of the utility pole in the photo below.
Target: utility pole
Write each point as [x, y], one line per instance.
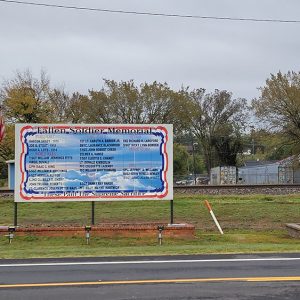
[253, 147]
[194, 159]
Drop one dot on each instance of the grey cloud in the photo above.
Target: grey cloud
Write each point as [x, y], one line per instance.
[80, 48]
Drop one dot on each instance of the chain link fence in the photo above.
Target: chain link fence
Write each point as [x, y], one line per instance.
[192, 179]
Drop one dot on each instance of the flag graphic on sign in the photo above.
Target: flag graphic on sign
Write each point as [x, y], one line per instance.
[2, 127]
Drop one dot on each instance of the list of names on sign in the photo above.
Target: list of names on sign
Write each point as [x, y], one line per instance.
[63, 162]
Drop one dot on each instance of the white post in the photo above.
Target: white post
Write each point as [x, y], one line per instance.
[213, 216]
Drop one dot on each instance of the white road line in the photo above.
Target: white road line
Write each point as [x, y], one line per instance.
[150, 262]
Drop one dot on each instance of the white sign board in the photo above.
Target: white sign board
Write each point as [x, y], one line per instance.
[61, 162]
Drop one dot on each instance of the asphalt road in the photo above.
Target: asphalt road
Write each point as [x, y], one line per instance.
[275, 276]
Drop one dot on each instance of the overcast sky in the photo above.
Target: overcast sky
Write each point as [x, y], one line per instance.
[79, 48]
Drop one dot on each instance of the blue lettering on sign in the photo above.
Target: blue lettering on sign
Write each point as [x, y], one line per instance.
[81, 162]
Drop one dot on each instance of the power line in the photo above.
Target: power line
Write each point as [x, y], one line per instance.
[150, 13]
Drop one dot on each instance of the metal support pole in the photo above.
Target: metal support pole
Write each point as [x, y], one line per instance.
[194, 163]
[15, 214]
[160, 237]
[87, 234]
[172, 211]
[194, 160]
[93, 213]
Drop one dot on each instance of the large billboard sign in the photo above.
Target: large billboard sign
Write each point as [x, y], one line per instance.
[61, 162]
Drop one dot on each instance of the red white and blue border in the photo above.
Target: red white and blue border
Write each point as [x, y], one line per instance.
[25, 133]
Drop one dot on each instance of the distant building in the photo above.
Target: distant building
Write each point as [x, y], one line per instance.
[11, 174]
[266, 172]
[257, 172]
[223, 175]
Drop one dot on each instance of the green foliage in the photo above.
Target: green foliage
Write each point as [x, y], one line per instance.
[275, 146]
[25, 99]
[266, 145]
[21, 105]
[125, 102]
[7, 145]
[180, 160]
[59, 103]
[197, 162]
[279, 106]
[79, 109]
[216, 120]
[227, 148]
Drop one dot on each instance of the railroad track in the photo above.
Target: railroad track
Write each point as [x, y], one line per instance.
[6, 191]
[236, 186]
[224, 189]
[268, 189]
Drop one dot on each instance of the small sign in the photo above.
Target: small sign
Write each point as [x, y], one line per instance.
[61, 162]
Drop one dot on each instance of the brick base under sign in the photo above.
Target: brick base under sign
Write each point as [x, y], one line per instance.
[109, 230]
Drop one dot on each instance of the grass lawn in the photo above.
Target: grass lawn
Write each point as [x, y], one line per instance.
[204, 243]
[234, 212]
[251, 224]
